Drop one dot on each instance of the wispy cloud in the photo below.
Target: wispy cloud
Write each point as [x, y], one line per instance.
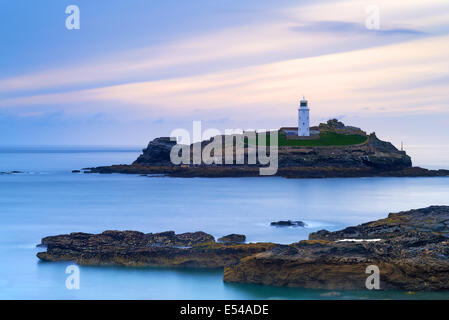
[264, 67]
[278, 38]
[342, 81]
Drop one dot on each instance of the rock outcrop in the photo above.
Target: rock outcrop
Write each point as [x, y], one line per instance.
[157, 152]
[288, 223]
[233, 238]
[375, 155]
[411, 250]
[132, 248]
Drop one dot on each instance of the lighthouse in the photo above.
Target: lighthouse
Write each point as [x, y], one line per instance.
[303, 119]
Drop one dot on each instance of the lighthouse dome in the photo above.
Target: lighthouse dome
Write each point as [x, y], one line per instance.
[303, 103]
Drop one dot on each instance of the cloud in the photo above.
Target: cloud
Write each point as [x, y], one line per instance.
[200, 51]
[290, 36]
[335, 84]
[260, 70]
[422, 15]
[399, 31]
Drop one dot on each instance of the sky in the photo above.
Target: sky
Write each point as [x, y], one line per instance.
[138, 69]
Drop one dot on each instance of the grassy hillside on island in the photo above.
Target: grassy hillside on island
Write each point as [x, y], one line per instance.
[326, 138]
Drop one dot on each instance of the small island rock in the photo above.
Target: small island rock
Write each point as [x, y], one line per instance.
[233, 238]
[288, 223]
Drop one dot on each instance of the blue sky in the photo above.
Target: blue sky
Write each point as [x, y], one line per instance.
[139, 69]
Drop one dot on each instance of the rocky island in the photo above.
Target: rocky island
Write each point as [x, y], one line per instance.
[337, 151]
[411, 250]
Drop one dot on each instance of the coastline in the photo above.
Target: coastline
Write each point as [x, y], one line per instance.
[247, 171]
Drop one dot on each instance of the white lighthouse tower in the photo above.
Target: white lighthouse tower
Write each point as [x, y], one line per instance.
[303, 119]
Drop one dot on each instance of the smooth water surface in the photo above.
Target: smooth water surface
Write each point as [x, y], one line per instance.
[47, 199]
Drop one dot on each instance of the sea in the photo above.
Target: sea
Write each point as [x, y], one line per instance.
[46, 198]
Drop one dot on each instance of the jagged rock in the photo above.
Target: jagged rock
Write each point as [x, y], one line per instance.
[288, 223]
[157, 152]
[133, 248]
[335, 124]
[375, 155]
[339, 127]
[412, 254]
[420, 223]
[233, 238]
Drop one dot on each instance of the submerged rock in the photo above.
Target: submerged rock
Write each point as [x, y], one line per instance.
[288, 223]
[413, 254]
[10, 172]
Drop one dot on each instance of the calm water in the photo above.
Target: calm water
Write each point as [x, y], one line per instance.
[47, 199]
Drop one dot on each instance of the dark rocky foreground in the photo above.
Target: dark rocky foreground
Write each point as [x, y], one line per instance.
[412, 253]
[132, 248]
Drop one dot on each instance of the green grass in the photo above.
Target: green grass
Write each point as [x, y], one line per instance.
[326, 139]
